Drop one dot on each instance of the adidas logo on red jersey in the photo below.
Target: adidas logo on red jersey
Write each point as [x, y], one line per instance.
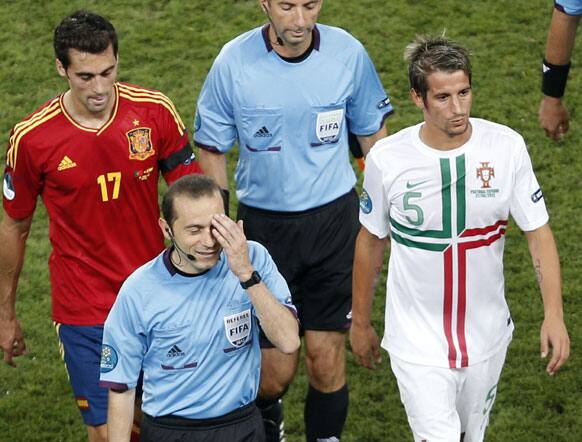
[66, 163]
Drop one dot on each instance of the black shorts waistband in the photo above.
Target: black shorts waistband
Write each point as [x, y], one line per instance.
[174, 422]
[278, 214]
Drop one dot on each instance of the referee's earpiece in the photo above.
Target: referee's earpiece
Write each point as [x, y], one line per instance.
[266, 11]
[187, 255]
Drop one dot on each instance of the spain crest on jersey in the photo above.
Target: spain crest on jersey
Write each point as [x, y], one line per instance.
[140, 143]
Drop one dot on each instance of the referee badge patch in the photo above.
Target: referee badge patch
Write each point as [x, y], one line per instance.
[365, 202]
[328, 125]
[238, 327]
[108, 358]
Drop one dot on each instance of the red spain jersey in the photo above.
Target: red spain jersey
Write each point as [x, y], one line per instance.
[100, 188]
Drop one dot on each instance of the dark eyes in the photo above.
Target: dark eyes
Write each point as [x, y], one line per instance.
[88, 77]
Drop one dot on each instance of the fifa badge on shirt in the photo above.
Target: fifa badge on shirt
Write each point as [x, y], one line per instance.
[238, 327]
[328, 125]
[140, 143]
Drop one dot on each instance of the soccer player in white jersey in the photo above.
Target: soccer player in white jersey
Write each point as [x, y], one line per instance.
[443, 191]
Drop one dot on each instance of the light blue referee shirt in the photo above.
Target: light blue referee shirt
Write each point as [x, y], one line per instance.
[570, 7]
[290, 119]
[196, 337]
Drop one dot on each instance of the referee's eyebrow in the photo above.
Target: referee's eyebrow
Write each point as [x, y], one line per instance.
[196, 226]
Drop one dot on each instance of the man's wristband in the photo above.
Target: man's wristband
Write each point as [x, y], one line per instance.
[253, 280]
[226, 200]
[554, 78]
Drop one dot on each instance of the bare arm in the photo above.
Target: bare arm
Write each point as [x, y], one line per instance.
[120, 415]
[13, 234]
[553, 115]
[214, 165]
[561, 37]
[278, 323]
[547, 267]
[367, 142]
[368, 260]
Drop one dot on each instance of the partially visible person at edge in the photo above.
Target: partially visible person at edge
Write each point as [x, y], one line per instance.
[443, 190]
[94, 154]
[290, 92]
[553, 114]
[190, 320]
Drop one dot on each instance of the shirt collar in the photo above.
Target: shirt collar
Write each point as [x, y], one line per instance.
[171, 267]
[269, 46]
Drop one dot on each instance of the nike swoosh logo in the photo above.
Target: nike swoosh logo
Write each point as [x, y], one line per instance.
[409, 185]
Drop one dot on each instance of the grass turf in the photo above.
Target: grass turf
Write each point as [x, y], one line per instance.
[170, 45]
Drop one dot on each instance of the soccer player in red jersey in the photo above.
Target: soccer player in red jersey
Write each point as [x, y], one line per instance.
[94, 155]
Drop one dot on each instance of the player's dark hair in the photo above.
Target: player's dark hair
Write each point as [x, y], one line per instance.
[191, 186]
[85, 32]
[426, 55]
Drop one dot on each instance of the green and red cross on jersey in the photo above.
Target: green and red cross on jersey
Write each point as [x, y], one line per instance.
[447, 213]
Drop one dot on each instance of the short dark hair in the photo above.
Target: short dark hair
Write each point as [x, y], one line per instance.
[426, 55]
[85, 32]
[191, 186]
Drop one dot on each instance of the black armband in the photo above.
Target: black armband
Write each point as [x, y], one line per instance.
[225, 199]
[182, 156]
[554, 78]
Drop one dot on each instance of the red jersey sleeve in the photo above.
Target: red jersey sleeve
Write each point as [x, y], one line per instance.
[22, 177]
[176, 156]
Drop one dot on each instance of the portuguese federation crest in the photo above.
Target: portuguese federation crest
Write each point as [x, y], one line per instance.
[140, 143]
[485, 172]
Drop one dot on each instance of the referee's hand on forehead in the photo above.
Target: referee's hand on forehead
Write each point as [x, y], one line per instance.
[230, 235]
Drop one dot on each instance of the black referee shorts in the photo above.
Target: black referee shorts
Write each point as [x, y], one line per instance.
[314, 251]
[242, 425]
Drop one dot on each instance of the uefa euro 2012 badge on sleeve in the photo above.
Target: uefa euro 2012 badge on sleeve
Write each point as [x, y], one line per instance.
[8, 187]
[365, 202]
[108, 358]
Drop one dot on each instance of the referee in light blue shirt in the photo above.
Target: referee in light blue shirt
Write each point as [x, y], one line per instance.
[190, 320]
[290, 93]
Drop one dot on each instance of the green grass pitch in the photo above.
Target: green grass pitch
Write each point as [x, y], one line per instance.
[170, 45]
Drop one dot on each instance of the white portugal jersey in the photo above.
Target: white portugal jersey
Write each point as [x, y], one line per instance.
[446, 213]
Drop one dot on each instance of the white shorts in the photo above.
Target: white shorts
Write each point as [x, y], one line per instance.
[443, 403]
